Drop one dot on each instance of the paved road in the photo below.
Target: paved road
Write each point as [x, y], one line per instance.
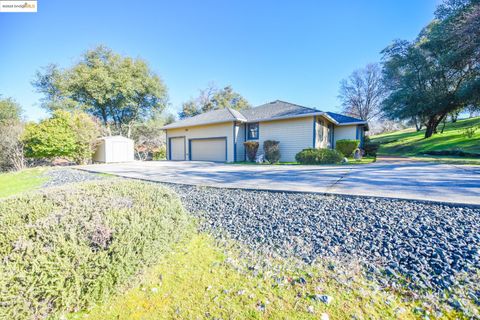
[386, 178]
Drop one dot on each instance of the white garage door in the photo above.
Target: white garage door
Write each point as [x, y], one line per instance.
[214, 149]
[177, 148]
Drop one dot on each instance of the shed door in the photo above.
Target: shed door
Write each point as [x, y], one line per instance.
[119, 151]
[212, 149]
[177, 148]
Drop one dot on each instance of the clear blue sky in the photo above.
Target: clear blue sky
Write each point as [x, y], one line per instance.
[296, 51]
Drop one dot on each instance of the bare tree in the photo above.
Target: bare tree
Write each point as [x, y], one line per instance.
[11, 146]
[362, 93]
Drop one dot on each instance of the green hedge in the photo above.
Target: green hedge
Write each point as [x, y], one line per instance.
[70, 247]
[318, 156]
[346, 147]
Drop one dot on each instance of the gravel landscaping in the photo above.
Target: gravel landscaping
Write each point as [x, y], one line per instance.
[430, 245]
[61, 176]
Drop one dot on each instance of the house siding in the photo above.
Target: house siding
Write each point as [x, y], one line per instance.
[294, 136]
[219, 130]
[345, 132]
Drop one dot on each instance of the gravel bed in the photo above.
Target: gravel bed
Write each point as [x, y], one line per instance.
[61, 176]
[429, 244]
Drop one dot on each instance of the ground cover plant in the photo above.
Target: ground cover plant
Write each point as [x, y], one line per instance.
[66, 248]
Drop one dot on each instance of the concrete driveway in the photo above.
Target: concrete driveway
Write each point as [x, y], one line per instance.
[388, 178]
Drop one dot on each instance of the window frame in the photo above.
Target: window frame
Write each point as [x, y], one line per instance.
[249, 137]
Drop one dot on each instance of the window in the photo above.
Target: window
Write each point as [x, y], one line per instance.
[252, 129]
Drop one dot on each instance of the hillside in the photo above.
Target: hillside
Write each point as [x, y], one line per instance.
[410, 143]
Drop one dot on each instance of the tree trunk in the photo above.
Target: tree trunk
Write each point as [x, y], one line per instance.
[444, 122]
[418, 124]
[432, 124]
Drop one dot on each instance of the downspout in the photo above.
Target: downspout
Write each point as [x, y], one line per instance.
[314, 132]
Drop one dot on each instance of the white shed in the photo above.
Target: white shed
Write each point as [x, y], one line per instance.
[114, 149]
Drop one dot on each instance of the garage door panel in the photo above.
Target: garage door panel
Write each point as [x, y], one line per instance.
[214, 149]
[177, 148]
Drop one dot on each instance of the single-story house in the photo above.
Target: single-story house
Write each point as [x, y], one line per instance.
[219, 135]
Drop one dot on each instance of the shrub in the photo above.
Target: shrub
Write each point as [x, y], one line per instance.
[346, 147]
[71, 247]
[271, 149]
[11, 130]
[371, 148]
[318, 156]
[251, 148]
[160, 153]
[65, 135]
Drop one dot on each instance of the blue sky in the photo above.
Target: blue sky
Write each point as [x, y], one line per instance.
[296, 51]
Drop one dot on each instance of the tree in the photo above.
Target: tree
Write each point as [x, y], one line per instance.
[362, 93]
[438, 74]
[9, 110]
[148, 137]
[11, 129]
[212, 98]
[70, 135]
[118, 90]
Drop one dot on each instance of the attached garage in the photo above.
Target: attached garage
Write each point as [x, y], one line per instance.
[176, 147]
[208, 149]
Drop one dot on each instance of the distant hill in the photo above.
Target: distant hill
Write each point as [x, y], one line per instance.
[452, 142]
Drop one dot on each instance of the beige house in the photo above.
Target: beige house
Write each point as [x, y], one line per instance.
[219, 135]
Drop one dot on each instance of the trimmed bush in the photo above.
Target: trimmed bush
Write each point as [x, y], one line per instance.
[271, 149]
[346, 147]
[70, 247]
[318, 156]
[251, 148]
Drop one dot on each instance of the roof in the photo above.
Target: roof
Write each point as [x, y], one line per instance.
[277, 110]
[114, 138]
[342, 119]
[274, 110]
[214, 116]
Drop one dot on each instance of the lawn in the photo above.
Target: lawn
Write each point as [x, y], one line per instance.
[201, 279]
[16, 182]
[410, 143]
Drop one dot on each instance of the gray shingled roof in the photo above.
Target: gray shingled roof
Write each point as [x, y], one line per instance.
[277, 110]
[214, 116]
[269, 111]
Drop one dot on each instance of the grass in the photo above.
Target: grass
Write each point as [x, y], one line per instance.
[364, 160]
[200, 280]
[16, 182]
[410, 143]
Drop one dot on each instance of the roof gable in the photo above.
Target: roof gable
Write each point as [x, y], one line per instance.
[277, 110]
[214, 116]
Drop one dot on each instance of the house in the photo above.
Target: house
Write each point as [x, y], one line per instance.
[219, 135]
